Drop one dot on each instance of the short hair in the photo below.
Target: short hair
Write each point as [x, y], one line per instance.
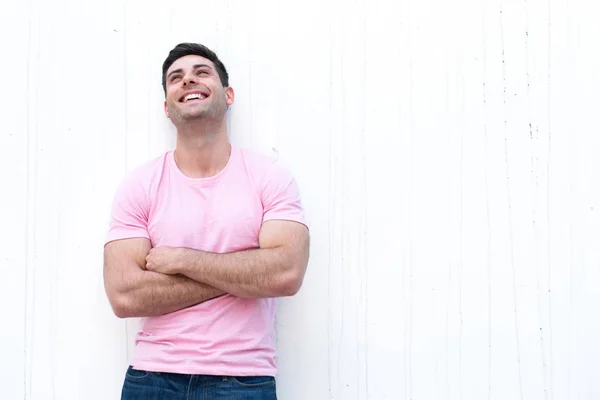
[196, 49]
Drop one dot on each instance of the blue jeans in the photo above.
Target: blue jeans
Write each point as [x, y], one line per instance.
[143, 385]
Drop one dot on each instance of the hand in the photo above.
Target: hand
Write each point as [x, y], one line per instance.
[165, 260]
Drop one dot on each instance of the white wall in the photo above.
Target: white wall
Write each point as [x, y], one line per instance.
[447, 156]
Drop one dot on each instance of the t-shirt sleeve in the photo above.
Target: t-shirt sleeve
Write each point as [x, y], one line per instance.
[281, 195]
[129, 215]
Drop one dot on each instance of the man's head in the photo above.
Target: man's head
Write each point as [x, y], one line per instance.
[186, 49]
[196, 84]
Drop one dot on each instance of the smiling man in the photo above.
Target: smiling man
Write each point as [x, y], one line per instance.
[201, 242]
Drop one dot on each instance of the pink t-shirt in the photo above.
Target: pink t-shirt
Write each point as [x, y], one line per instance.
[223, 213]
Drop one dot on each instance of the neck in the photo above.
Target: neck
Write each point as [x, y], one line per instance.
[202, 148]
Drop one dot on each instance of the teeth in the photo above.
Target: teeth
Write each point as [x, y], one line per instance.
[192, 96]
[195, 96]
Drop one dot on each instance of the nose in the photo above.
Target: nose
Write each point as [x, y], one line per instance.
[189, 79]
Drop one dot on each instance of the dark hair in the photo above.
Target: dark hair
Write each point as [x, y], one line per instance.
[196, 49]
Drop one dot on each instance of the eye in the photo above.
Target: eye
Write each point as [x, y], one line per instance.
[202, 72]
[175, 78]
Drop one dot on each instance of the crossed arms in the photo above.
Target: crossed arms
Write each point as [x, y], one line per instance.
[142, 281]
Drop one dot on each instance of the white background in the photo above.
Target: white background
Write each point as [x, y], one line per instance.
[447, 156]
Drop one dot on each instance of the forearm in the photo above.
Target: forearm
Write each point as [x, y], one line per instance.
[150, 294]
[252, 273]
[275, 269]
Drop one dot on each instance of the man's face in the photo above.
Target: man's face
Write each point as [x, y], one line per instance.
[194, 90]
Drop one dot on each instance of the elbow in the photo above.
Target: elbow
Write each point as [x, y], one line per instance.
[291, 283]
[121, 305]
[122, 312]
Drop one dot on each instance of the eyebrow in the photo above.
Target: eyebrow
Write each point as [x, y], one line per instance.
[196, 66]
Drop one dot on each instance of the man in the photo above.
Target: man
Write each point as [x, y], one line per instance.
[201, 242]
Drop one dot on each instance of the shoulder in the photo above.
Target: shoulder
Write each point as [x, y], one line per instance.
[146, 174]
[255, 161]
[142, 180]
[263, 168]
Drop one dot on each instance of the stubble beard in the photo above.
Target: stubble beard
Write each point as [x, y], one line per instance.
[206, 112]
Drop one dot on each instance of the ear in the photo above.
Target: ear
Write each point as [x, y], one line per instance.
[166, 110]
[229, 95]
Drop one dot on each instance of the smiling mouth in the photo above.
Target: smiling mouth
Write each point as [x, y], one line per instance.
[193, 97]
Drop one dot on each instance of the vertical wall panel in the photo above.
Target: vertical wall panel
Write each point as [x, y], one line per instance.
[16, 21]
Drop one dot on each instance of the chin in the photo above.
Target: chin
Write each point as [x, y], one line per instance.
[192, 116]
